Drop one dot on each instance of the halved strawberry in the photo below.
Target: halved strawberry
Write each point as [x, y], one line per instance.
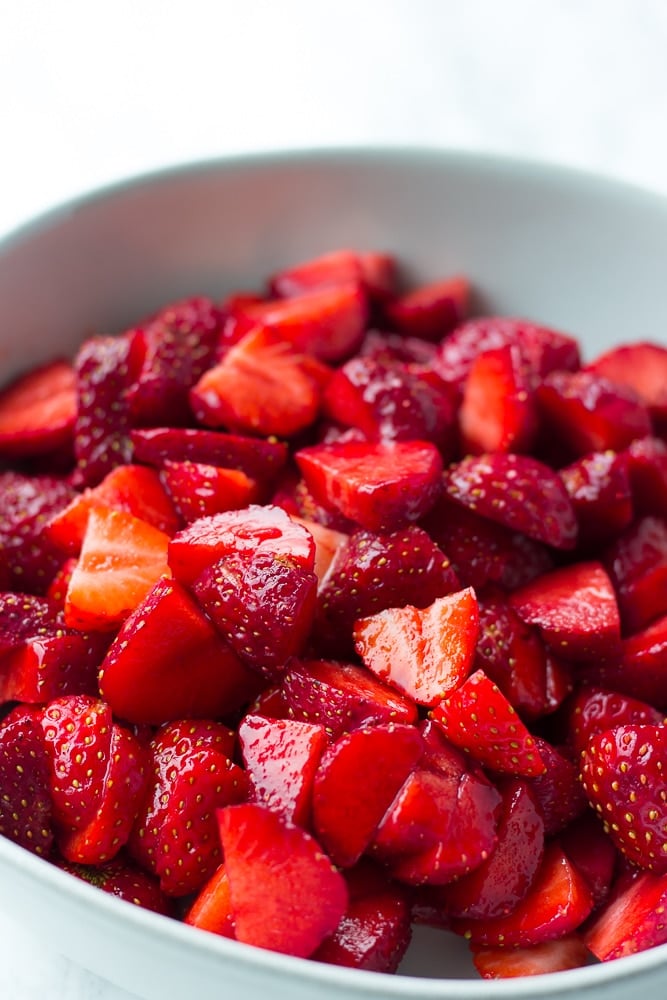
[498, 410]
[120, 877]
[379, 486]
[518, 492]
[375, 271]
[600, 489]
[38, 410]
[632, 920]
[425, 653]
[121, 558]
[642, 367]
[431, 311]
[477, 717]
[271, 863]
[592, 710]
[637, 565]
[26, 812]
[568, 952]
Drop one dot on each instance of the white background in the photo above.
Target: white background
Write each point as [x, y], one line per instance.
[93, 91]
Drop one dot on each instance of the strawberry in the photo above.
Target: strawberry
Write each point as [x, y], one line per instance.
[346, 813]
[38, 410]
[263, 605]
[281, 757]
[647, 469]
[327, 543]
[198, 546]
[425, 653]
[259, 459]
[575, 609]
[125, 880]
[341, 697]
[261, 386]
[200, 490]
[57, 589]
[641, 367]
[211, 909]
[600, 489]
[593, 854]
[632, 920]
[431, 311]
[271, 863]
[568, 952]
[26, 813]
[168, 662]
[121, 558]
[480, 720]
[637, 565]
[592, 710]
[642, 670]
[375, 271]
[622, 775]
[390, 348]
[518, 492]
[379, 486]
[557, 791]
[497, 410]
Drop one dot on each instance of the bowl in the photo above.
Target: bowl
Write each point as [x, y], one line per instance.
[575, 251]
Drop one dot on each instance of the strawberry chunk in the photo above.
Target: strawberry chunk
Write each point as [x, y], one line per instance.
[198, 490]
[632, 921]
[271, 863]
[259, 459]
[592, 710]
[647, 468]
[600, 489]
[564, 953]
[125, 880]
[591, 851]
[557, 791]
[425, 653]
[498, 410]
[380, 486]
[26, 814]
[375, 271]
[212, 907]
[38, 410]
[431, 311]
[641, 367]
[637, 565]
[642, 670]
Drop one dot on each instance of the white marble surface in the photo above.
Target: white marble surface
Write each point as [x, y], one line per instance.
[94, 91]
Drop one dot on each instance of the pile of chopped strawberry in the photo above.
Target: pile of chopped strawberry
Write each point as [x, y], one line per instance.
[331, 609]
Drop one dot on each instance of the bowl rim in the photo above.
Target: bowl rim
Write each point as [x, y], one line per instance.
[379, 985]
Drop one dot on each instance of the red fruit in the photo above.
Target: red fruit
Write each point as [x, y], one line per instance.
[379, 486]
[641, 367]
[599, 487]
[425, 653]
[389, 348]
[480, 720]
[122, 558]
[198, 546]
[261, 386]
[587, 412]
[497, 410]
[575, 609]
[25, 799]
[637, 566]
[643, 667]
[125, 880]
[57, 589]
[347, 808]
[647, 467]
[327, 543]
[37, 411]
[341, 697]
[431, 311]
[199, 490]
[271, 863]
[591, 851]
[212, 907]
[557, 903]
[518, 492]
[632, 920]
[168, 662]
[622, 775]
[557, 791]
[564, 953]
[258, 459]
[592, 710]
[375, 271]
[281, 757]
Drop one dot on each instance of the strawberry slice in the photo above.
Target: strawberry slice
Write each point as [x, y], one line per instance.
[281, 757]
[38, 410]
[346, 813]
[575, 609]
[431, 311]
[381, 486]
[592, 710]
[564, 953]
[478, 718]
[637, 565]
[633, 919]
[169, 662]
[375, 271]
[26, 811]
[425, 653]
[559, 900]
[271, 863]
[259, 459]
[125, 880]
[198, 546]
[498, 410]
[198, 490]
[642, 367]
[518, 492]
[622, 775]
[212, 907]
[341, 697]
[601, 492]
[121, 558]
[262, 386]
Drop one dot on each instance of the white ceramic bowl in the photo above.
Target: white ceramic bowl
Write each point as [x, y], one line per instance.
[575, 251]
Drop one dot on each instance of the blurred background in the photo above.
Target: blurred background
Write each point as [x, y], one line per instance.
[93, 92]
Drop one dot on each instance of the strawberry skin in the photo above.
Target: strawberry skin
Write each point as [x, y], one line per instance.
[497, 410]
[601, 492]
[200, 490]
[622, 774]
[637, 565]
[38, 410]
[641, 367]
[632, 920]
[26, 813]
[592, 710]
[431, 311]
[125, 880]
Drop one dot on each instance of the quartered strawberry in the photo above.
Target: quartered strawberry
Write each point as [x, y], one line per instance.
[633, 919]
[271, 863]
[518, 492]
[259, 459]
[212, 907]
[198, 546]
[327, 543]
[28, 558]
[637, 565]
[375, 271]
[601, 492]
[641, 367]
[26, 814]
[121, 558]
[122, 878]
[647, 468]
[587, 412]
[593, 854]
[169, 662]
[497, 409]
[262, 386]
[564, 953]
[623, 776]
[642, 669]
[379, 486]
[576, 611]
[38, 410]
[592, 710]
[557, 791]
[281, 757]
[424, 653]
[558, 901]
[175, 834]
[431, 311]
[346, 811]
[263, 605]
[200, 490]
[174, 348]
[341, 697]
[477, 717]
